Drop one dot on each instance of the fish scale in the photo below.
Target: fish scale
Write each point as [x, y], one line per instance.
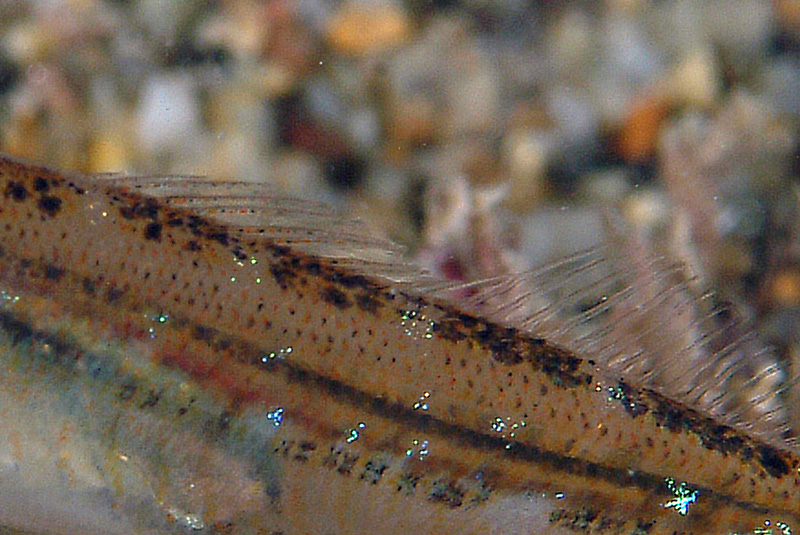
[338, 394]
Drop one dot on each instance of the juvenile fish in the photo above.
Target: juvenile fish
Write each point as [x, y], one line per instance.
[185, 355]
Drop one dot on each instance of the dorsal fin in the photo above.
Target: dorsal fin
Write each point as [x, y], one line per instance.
[641, 318]
[255, 210]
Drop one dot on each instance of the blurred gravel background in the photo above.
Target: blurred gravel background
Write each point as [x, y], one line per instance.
[486, 135]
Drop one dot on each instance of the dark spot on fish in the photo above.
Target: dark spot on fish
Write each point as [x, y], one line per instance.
[668, 416]
[373, 471]
[313, 268]
[201, 332]
[40, 184]
[336, 297]
[629, 399]
[446, 492]
[20, 331]
[349, 460]
[192, 245]
[280, 250]
[152, 231]
[16, 191]
[114, 294]
[467, 321]
[148, 209]
[50, 204]
[772, 461]
[239, 253]
[194, 225]
[501, 342]
[449, 329]
[76, 188]
[53, 273]
[368, 303]
[281, 275]
[88, 286]
[407, 483]
[221, 344]
[350, 281]
[221, 237]
[175, 222]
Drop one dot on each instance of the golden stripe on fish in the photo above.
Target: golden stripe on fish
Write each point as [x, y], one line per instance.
[380, 404]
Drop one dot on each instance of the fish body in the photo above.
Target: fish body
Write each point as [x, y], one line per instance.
[181, 355]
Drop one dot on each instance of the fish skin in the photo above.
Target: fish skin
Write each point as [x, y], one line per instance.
[252, 325]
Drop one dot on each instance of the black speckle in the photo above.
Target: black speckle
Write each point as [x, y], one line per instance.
[282, 275]
[349, 460]
[40, 184]
[629, 399]
[642, 528]
[50, 204]
[53, 273]
[221, 237]
[16, 191]
[203, 333]
[373, 471]
[148, 209]
[88, 286]
[447, 493]
[368, 303]
[351, 281]
[772, 462]
[193, 245]
[77, 189]
[239, 253]
[113, 294]
[336, 298]
[668, 416]
[152, 231]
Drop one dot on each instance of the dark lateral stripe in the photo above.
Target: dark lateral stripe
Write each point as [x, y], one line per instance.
[250, 354]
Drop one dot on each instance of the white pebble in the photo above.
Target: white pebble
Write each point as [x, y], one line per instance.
[169, 115]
